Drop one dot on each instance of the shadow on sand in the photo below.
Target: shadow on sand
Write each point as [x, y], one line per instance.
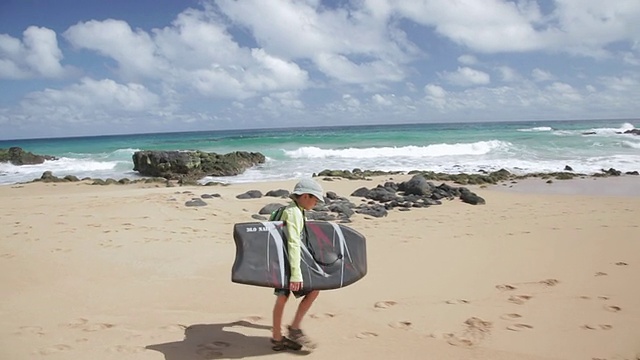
[216, 341]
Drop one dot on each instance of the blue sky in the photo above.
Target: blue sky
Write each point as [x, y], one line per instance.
[73, 68]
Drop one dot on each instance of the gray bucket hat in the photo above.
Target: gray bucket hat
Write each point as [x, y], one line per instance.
[309, 186]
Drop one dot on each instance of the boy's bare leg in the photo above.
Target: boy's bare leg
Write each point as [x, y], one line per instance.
[278, 309]
[303, 307]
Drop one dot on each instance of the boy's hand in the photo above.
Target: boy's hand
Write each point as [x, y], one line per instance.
[295, 286]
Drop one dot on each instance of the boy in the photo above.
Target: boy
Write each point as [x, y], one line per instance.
[306, 194]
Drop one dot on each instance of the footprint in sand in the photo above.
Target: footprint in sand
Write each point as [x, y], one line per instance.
[384, 304]
[511, 316]
[455, 340]
[30, 330]
[519, 327]
[84, 325]
[366, 335]
[621, 263]
[401, 325]
[127, 349]
[519, 299]
[54, 349]
[612, 308]
[549, 282]
[457, 301]
[597, 327]
[326, 315]
[600, 273]
[476, 330]
[546, 282]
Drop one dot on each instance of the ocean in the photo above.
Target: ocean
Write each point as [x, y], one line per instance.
[520, 147]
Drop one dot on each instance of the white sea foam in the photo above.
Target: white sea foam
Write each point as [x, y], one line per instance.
[537, 129]
[635, 145]
[435, 150]
[612, 131]
[62, 167]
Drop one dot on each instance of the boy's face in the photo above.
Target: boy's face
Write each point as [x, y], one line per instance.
[307, 201]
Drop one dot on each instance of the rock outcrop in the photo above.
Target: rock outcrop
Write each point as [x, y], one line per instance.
[17, 156]
[193, 165]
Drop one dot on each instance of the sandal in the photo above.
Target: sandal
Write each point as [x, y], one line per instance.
[285, 344]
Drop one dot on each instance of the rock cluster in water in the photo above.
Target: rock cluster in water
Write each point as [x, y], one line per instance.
[190, 166]
[17, 156]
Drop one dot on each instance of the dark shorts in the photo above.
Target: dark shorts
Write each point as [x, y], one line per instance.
[287, 292]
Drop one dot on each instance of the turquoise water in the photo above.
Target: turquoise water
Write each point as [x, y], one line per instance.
[520, 147]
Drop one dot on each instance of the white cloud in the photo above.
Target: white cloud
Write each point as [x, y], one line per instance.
[564, 91]
[88, 97]
[355, 46]
[194, 53]
[286, 100]
[37, 55]
[540, 75]
[486, 26]
[509, 74]
[583, 27]
[467, 59]
[466, 76]
[228, 61]
[621, 83]
[351, 101]
[436, 96]
[384, 100]
[133, 50]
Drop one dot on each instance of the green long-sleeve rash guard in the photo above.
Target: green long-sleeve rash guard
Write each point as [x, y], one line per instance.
[293, 218]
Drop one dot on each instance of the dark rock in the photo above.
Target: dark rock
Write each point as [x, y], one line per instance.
[332, 195]
[361, 192]
[612, 172]
[391, 186]
[176, 165]
[568, 168]
[417, 185]
[251, 194]
[269, 208]
[71, 178]
[195, 202]
[209, 196]
[48, 177]
[632, 173]
[374, 210]
[633, 131]
[342, 208]
[16, 156]
[589, 133]
[278, 193]
[470, 198]
[381, 194]
[319, 216]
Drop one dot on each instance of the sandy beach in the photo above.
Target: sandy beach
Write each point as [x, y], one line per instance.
[130, 272]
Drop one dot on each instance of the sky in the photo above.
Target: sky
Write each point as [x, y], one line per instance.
[89, 67]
